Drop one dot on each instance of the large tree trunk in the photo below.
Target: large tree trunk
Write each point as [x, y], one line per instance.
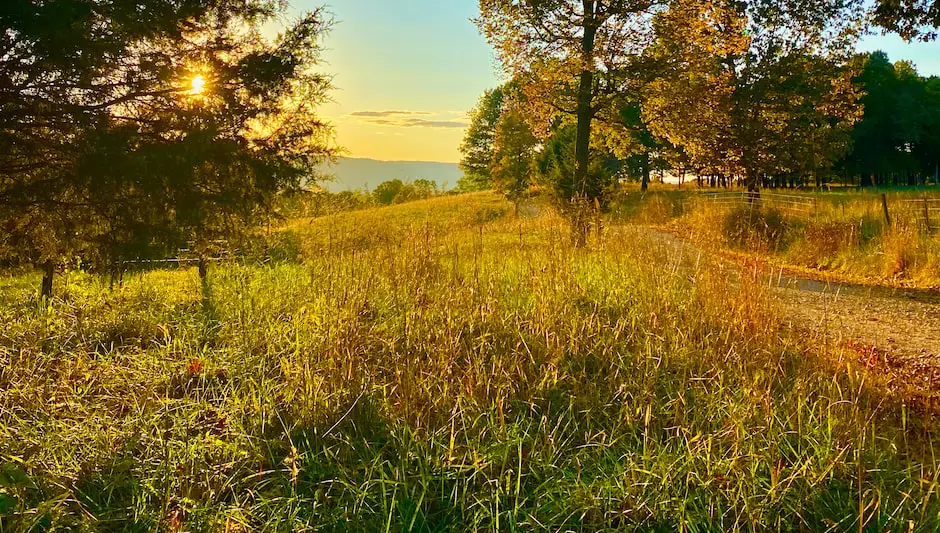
[48, 274]
[585, 114]
[583, 143]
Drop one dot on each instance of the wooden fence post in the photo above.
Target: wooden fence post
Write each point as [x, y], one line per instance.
[926, 214]
[884, 205]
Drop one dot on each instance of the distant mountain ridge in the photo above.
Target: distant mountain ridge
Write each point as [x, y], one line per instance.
[356, 173]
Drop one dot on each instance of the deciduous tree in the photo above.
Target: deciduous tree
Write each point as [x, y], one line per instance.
[569, 56]
[755, 90]
[513, 157]
[910, 18]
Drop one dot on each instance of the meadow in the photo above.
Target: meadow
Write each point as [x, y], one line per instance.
[839, 236]
[445, 366]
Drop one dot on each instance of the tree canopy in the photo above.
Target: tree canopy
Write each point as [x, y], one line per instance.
[570, 57]
[477, 147]
[754, 90]
[909, 18]
[132, 128]
[897, 142]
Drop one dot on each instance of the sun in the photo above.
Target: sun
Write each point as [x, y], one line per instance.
[198, 84]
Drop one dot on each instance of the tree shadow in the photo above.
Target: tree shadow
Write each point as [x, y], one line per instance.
[359, 447]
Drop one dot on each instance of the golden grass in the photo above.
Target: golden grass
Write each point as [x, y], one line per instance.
[442, 366]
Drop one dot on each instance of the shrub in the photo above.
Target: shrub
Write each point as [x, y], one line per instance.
[902, 250]
[821, 242]
[485, 215]
[753, 228]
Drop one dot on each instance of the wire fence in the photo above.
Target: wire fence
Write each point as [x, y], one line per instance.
[929, 208]
[218, 251]
[783, 202]
[924, 212]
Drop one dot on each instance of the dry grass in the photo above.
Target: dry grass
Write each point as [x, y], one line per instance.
[845, 236]
[442, 366]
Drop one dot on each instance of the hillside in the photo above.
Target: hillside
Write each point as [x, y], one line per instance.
[352, 173]
[444, 366]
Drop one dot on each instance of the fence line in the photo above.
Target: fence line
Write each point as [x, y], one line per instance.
[928, 209]
[791, 202]
[931, 211]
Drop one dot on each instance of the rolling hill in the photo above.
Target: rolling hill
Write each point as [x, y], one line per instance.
[354, 173]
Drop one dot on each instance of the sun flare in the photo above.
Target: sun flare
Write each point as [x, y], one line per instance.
[198, 84]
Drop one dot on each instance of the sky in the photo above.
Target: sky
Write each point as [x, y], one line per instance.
[407, 73]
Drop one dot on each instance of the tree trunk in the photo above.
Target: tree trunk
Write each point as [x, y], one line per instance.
[48, 274]
[645, 185]
[752, 181]
[583, 142]
[585, 114]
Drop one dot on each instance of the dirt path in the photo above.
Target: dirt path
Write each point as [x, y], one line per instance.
[895, 331]
[898, 336]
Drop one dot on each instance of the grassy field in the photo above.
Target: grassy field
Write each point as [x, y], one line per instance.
[443, 366]
[842, 236]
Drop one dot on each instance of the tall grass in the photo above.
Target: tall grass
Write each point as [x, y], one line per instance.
[844, 234]
[443, 366]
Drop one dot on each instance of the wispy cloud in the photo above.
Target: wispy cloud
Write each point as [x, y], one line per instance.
[408, 119]
[381, 114]
[419, 123]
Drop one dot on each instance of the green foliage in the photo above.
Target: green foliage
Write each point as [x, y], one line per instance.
[116, 156]
[388, 191]
[477, 149]
[556, 164]
[514, 156]
[396, 191]
[897, 142]
[499, 147]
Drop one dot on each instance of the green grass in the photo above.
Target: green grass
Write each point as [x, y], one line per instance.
[442, 366]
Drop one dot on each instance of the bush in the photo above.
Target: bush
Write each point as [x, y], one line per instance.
[485, 215]
[902, 251]
[753, 228]
[821, 242]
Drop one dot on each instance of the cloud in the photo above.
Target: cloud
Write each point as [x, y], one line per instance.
[405, 119]
[382, 114]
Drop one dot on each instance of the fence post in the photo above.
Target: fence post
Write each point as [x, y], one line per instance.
[884, 205]
[926, 215]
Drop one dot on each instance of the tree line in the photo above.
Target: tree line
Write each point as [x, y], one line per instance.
[760, 93]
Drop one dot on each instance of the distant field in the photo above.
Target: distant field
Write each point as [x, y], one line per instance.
[350, 174]
[444, 366]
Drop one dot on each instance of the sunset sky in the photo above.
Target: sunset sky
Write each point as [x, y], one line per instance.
[408, 71]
